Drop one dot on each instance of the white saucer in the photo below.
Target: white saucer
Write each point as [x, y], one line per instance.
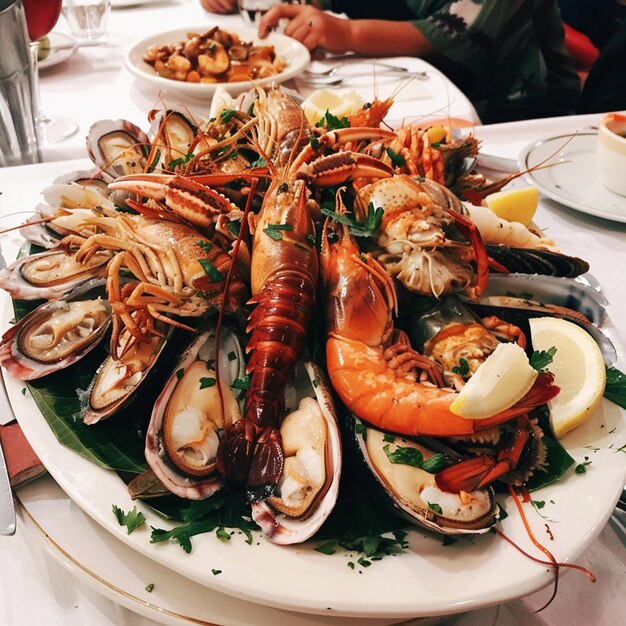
[573, 180]
[62, 47]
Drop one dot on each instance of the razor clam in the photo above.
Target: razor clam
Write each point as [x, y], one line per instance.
[53, 336]
[50, 274]
[118, 147]
[307, 490]
[117, 379]
[183, 434]
[410, 491]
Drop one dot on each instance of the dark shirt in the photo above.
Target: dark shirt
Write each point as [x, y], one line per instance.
[508, 56]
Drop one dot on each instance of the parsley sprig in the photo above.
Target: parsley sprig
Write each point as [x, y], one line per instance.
[357, 229]
[220, 511]
[132, 520]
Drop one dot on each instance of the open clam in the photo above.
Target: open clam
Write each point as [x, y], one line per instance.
[191, 412]
[308, 488]
[401, 471]
[53, 336]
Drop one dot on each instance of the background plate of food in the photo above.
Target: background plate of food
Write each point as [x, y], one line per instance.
[195, 66]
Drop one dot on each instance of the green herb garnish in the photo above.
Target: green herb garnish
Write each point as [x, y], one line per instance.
[150, 587]
[206, 382]
[413, 457]
[433, 506]
[241, 382]
[462, 369]
[132, 520]
[226, 115]
[332, 122]
[397, 160]
[368, 229]
[211, 271]
[540, 359]
[274, 230]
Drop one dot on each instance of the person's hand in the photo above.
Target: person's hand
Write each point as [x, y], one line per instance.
[219, 6]
[310, 26]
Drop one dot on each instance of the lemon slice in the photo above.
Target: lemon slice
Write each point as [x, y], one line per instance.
[516, 205]
[338, 103]
[504, 378]
[578, 368]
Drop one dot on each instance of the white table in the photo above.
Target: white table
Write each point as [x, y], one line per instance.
[35, 588]
[94, 85]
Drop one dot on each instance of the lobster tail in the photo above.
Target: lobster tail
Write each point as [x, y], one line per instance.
[279, 325]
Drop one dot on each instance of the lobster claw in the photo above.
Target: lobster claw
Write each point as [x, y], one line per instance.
[189, 200]
[337, 168]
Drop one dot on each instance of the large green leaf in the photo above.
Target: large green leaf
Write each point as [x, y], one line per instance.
[114, 444]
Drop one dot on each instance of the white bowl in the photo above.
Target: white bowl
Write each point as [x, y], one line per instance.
[294, 53]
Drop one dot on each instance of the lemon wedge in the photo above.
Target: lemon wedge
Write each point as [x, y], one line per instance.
[516, 205]
[338, 103]
[578, 368]
[504, 378]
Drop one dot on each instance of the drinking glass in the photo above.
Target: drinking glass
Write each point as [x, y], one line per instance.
[41, 17]
[87, 18]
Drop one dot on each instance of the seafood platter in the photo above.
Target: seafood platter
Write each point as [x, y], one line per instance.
[193, 64]
[259, 346]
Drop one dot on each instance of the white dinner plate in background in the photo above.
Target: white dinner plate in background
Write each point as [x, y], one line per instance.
[573, 180]
[293, 52]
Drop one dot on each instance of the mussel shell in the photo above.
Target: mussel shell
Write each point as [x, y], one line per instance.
[169, 472]
[173, 133]
[475, 522]
[22, 349]
[537, 261]
[107, 395]
[277, 526]
[118, 147]
[50, 274]
[527, 296]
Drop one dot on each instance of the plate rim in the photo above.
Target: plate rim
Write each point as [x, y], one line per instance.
[522, 162]
[64, 55]
[140, 69]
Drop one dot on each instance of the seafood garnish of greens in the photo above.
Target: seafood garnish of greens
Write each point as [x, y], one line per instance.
[318, 293]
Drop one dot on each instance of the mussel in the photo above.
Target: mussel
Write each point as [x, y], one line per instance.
[118, 147]
[118, 378]
[307, 490]
[50, 274]
[191, 412]
[396, 463]
[53, 336]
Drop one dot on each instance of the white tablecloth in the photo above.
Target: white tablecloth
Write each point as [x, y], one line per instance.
[92, 85]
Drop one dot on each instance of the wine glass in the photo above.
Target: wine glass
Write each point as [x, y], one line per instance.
[41, 17]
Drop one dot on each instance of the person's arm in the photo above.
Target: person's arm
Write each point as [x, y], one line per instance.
[219, 6]
[316, 29]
